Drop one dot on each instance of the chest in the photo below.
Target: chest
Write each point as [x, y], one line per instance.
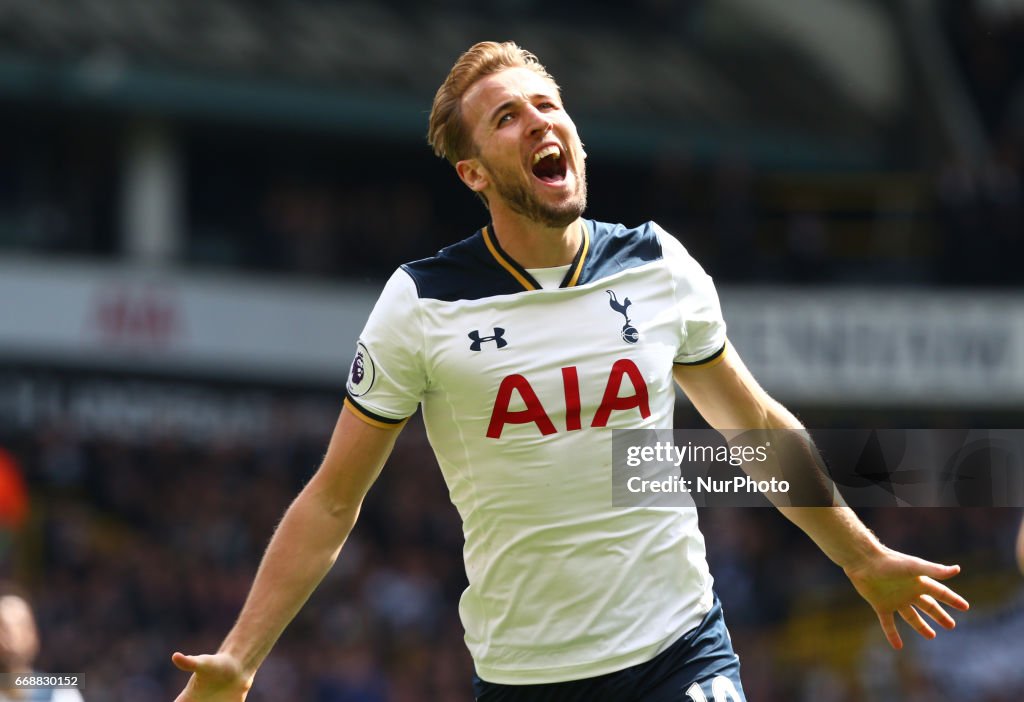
[568, 355]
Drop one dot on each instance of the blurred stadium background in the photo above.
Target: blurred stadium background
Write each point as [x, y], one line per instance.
[199, 200]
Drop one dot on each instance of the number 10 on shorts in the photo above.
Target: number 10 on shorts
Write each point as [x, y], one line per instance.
[722, 690]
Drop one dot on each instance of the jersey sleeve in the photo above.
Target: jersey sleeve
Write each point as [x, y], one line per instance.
[387, 378]
[703, 338]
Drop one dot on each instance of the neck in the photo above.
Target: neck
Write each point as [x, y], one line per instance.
[534, 245]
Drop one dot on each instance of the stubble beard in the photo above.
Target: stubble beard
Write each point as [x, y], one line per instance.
[523, 201]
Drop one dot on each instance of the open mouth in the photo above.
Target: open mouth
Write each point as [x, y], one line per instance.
[549, 164]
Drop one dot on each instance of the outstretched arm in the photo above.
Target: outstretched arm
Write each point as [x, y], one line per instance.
[302, 550]
[728, 397]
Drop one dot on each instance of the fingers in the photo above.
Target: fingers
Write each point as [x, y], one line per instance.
[930, 569]
[929, 606]
[192, 664]
[942, 572]
[913, 618]
[889, 628]
[943, 594]
[187, 663]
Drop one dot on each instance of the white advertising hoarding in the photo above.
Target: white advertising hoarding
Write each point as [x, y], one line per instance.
[832, 346]
[875, 347]
[168, 321]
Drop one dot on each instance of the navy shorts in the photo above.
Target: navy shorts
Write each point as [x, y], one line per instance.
[700, 667]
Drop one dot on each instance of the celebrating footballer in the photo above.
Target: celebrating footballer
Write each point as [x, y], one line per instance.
[526, 345]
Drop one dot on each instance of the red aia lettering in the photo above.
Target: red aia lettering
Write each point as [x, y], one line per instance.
[571, 384]
[534, 412]
[612, 401]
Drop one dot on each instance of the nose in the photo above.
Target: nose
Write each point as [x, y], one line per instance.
[540, 121]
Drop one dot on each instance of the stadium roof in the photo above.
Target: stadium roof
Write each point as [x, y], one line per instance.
[800, 82]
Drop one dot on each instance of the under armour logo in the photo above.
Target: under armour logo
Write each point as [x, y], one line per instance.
[498, 338]
[629, 333]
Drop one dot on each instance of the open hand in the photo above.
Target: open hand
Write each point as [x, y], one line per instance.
[894, 582]
[215, 678]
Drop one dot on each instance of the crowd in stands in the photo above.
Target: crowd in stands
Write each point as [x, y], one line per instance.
[957, 226]
[136, 549]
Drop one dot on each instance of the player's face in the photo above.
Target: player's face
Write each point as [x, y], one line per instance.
[529, 154]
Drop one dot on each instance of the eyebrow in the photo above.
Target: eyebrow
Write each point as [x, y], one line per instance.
[501, 108]
[509, 103]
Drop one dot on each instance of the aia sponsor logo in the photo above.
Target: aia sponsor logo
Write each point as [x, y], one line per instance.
[535, 412]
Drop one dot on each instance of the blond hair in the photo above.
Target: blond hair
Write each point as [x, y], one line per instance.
[447, 133]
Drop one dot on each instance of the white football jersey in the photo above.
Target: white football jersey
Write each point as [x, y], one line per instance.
[521, 388]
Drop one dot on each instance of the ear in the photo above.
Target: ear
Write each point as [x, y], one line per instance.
[473, 174]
